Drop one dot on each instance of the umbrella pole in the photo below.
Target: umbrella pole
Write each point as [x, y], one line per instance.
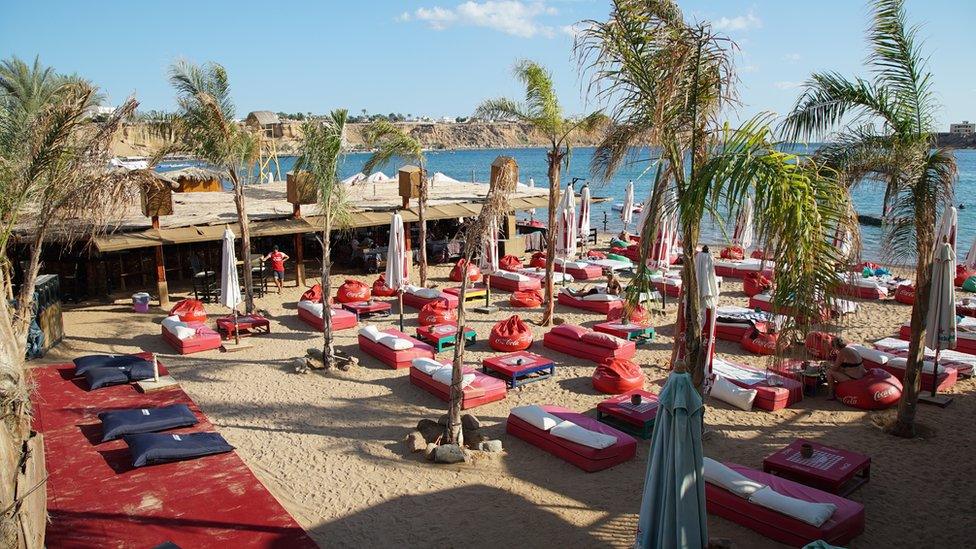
[155, 368]
[935, 368]
[237, 331]
[400, 303]
[487, 290]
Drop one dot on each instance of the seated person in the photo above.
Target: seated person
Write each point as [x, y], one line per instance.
[613, 288]
[847, 366]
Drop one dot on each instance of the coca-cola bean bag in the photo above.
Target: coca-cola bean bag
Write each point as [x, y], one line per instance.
[962, 273]
[510, 335]
[189, 310]
[538, 260]
[596, 254]
[380, 289]
[510, 263]
[821, 345]
[474, 273]
[617, 375]
[878, 389]
[761, 254]
[526, 298]
[313, 294]
[905, 293]
[438, 311]
[733, 253]
[755, 283]
[639, 315]
[352, 291]
[759, 343]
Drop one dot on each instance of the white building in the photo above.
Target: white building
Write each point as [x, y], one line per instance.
[964, 128]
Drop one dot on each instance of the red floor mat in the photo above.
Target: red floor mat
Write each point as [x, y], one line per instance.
[96, 499]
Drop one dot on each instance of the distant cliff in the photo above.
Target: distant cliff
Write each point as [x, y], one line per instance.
[955, 140]
[134, 141]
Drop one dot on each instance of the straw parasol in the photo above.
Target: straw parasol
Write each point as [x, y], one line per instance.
[397, 262]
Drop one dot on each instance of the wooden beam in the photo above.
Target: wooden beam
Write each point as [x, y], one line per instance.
[299, 249]
[161, 286]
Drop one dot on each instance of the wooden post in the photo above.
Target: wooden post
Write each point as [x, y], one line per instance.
[299, 249]
[161, 284]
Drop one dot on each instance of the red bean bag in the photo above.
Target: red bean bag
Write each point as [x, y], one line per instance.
[755, 283]
[313, 294]
[733, 253]
[962, 273]
[527, 298]
[352, 291]
[759, 343]
[510, 335]
[761, 254]
[538, 260]
[905, 293]
[474, 273]
[438, 311]
[617, 375]
[510, 263]
[380, 289]
[875, 391]
[189, 310]
[596, 254]
[821, 345]
[639, 315]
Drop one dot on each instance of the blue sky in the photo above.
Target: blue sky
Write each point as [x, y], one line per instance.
[442, 57]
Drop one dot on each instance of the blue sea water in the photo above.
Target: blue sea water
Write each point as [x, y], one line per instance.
[474, 164]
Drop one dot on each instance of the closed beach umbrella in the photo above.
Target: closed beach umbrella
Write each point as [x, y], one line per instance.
[664, 243]
[743, 233]
[627, 212]
[566, 225]
[971, 256]
[843, 241]
[230, 288]
[941, 320]
[531, 186]
[397, 262]
[708, 292]
[584, 215]
[947, 227]
[672, 512]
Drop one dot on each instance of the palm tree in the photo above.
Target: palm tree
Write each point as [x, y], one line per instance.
[888, 136]
[390, 142]
[321, 150]
[205, 127]
[669, 81]
[542, 111]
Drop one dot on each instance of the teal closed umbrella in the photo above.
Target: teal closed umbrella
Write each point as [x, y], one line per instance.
[672, 510]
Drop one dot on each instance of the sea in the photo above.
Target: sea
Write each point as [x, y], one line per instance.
[475, 164]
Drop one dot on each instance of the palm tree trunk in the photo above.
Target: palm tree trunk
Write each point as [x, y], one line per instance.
[555, 158]
[422, 219]
[245, 241]
[328, 342]
[23, 314]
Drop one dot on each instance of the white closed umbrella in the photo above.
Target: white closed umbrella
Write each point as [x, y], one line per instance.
[708, 292]
[743, 233]
[488, 263]
[941, 320]
[230, 287]
[947, 227]
[627, 211]
[532, 211]
[566, 226]
[397, 261]
[584, 215]
[970, 260]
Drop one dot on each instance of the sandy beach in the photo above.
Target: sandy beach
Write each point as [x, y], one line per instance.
[329, 445]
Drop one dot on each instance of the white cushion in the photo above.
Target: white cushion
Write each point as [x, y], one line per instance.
[722, 475]
[535, 416]
[811, 513]
[729, 392]
[426, 365]
[574, 433]
[183, 332]
[314, 307]
[574, 264]
[511, 276]
[172, 321]
[871, 355]
[427, 293]
[763, 297]
[445, 373]
[371, 333]
[600, 297]
[901, 363]
[394, 342]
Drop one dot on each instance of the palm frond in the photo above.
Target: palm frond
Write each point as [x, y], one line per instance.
[389, 143]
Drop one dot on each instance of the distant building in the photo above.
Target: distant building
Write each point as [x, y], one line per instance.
[964, 128]
[99, 110]
[267, 121]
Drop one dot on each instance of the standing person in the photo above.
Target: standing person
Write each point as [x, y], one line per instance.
[278, 259]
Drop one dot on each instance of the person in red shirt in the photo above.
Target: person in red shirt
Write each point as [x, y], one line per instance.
[278, 259]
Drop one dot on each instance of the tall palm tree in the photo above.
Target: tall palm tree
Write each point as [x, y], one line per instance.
[205, 127]
[391, 142]
[321, 150]
[888, 136]
[668, 81]
[542, 111]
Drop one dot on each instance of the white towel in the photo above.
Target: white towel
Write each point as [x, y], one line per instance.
[806, 511]
[574, 433]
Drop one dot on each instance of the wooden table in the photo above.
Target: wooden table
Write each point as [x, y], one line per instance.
[367, 309]
[630, 331]
[247, 325]
[830, 469]
[519, 368]
[621, 413]
[444, 336]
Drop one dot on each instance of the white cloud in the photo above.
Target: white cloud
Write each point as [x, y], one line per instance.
[745, 22]
[513, 17]
[791, 58]
[787, 85]
[748, 68]
[573, 30]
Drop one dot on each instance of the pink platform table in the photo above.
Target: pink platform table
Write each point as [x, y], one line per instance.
[830, 469]
[247, 325]
[621, 413]
[473, 293]
[444, 336]
[519, 368]
[631, 331]
[367, 309]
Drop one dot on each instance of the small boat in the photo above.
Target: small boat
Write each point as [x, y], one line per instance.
[618, 206]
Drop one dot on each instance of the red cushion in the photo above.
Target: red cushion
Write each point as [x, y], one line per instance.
[189, 310]
[616, 376]
[760, 254]
[352, 291]
[734, 253]
[596, 254]
[639, 315]
[571, 331]
[821, 345]
[538, 260]
[510, 335]
[905, 293]
[380, 289]
[474, 273]
[527, 298]
[510, 263]
[601, 339]
[755, 283]
[313, 294]
[759, 343]
[438, 311]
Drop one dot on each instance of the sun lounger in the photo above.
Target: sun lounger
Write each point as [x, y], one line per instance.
[205, 339]
[417, 298]
[540, 274]
[855, 285]
[579, 270]
[965, 340]
[311, 314]
[599, 303]
[395, 358]
[962, 362]
[846, 522]
[740, 268]
[584, 343]
[612, 264]
[482, 390]
[585, 457]
[731, 323]
[667, 285]
[513, 282]
[896, 365]
[764, 302]
[773, 391]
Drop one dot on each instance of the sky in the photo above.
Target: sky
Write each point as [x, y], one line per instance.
[443, 57]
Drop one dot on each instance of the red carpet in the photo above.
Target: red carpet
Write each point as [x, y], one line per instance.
[96, 499]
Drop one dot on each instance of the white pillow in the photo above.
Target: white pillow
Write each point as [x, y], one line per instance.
[601, 297]
[512, 276]
[722, 475]
[444, 375]
[428, 293]
[395, 343]
[535, 416]
[811, 513]
[426, 365]
[183, 332]
[871, 355]
[901, 363]
[313, 307]
[580, 435]
[371, 333]
[729, 392]
[172, 321]
[575, 265]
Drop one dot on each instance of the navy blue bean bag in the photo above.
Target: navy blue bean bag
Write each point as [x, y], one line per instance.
[145, 420]
[117, 375]
[153, 448]
[85, 363]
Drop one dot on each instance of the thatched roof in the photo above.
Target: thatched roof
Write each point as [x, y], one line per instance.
[262, 118]
[194, 173]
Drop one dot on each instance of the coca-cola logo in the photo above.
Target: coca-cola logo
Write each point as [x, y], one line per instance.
[885, 393]
[850, 400]
[512, 341]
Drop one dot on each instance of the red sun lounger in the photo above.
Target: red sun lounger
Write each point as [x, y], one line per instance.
[396, 359]
[773, 391]
[895, 366]
[205, 339]
[588, 344]
[341, 319]
[584, 457]
[499, 281]
[417, 302]
[965, 341]
[602, 307]
[580, 271]
[483, 390]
